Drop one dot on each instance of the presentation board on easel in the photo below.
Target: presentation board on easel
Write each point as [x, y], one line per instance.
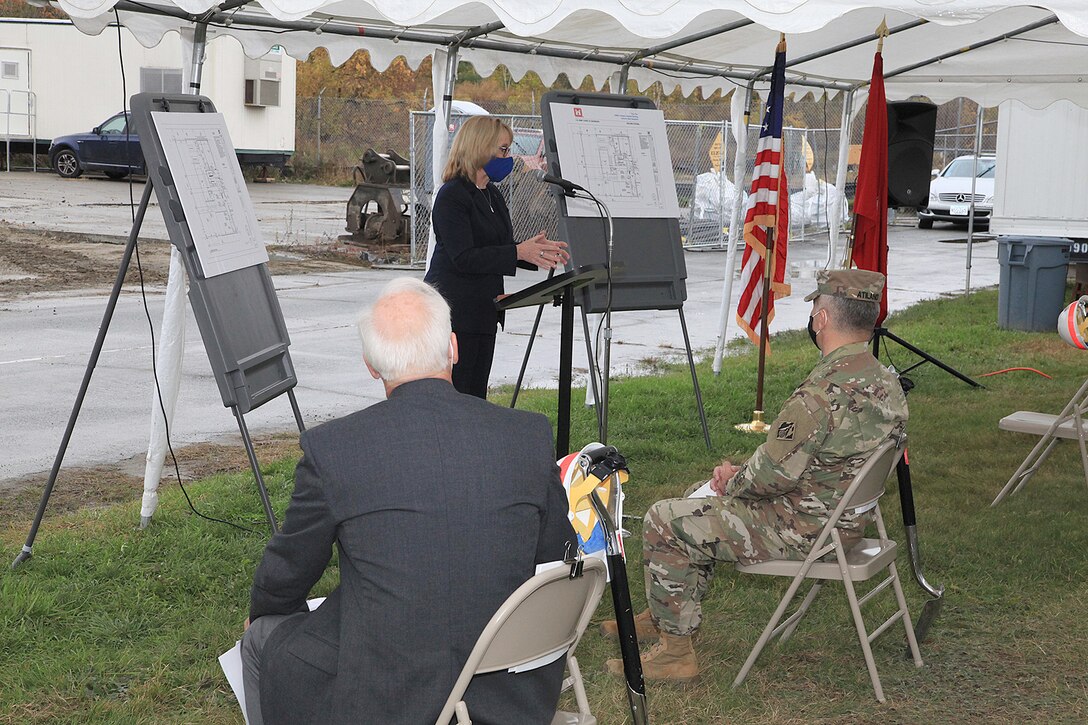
[211, 221]
[617, 147]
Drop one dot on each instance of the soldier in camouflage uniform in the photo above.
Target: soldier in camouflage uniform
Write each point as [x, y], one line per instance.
[775, 504]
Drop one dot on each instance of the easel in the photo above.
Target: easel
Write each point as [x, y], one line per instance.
[232, 371]
[589, 355]
[1069, 424]
[647, 271]
[601, 403]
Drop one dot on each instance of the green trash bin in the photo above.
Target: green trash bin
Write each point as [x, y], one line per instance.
[1032, 287]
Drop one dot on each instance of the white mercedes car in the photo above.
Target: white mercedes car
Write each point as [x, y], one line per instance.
[950, 193]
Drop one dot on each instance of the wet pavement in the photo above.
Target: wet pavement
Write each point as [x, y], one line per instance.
[46, 339]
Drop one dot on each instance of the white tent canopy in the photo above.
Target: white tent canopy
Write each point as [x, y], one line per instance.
[989, 51]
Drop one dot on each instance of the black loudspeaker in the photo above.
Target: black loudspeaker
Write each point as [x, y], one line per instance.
[911, 128]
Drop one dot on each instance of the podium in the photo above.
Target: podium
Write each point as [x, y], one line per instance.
[559, 290]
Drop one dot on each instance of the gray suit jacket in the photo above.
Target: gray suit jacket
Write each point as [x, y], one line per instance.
[440, 505]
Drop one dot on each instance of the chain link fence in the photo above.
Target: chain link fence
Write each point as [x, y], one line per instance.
[333, 133]
[706, 196]
[531, 207]
[957, 130]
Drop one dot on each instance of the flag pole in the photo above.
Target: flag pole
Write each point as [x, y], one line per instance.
[757, 424]
[848, 257]
[881, 32]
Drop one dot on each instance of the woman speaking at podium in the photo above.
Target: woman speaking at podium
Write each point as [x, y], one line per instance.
[475, 245]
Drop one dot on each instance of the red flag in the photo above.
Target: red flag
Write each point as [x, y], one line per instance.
[768, 210]
[871, 200]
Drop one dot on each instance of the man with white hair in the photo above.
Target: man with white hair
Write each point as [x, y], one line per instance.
[440, 504]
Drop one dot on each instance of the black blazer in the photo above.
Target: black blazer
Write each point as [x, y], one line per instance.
[474, 248]
[440, 504]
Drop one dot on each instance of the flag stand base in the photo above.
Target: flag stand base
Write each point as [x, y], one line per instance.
[756, 425]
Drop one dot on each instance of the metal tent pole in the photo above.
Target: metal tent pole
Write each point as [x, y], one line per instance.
[170, 356]
[840, 176]
[740, 133]
[971, 209]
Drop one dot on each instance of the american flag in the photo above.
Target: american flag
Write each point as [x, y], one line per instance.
[768, 210]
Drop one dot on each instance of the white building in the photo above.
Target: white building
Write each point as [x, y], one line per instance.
[55, 80]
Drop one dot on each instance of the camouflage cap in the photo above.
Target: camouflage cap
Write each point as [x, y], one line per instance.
[853, 284]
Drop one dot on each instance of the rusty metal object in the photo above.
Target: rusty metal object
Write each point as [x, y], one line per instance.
[389, 168]
[381, 179]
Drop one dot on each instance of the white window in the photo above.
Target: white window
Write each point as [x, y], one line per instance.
[160, 80]
[9, 70]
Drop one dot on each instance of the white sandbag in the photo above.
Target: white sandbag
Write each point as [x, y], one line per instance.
[714, 194]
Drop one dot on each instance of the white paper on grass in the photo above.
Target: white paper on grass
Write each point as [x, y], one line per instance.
[212, 191]
[231, 663]
[621, 155]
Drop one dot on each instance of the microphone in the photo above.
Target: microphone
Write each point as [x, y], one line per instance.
[568, 187]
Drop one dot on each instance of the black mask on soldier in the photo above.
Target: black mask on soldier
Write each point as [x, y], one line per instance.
[812, 332]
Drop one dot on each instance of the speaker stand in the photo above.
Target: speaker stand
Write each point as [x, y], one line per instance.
[884, 333]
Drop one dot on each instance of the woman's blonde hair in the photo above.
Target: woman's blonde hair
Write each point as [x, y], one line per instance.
[474, 145]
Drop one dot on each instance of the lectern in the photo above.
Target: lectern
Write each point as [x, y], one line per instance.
[559, 290]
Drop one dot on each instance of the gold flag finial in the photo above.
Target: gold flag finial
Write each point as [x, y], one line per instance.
[781, 43]
[882, 32]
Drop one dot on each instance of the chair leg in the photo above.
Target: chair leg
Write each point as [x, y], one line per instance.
[769, 629]
[788, 631]
[1078, 420]
[578, 685]
[863, 637]
[912, 640]
[1027, 469]
[1036, 465]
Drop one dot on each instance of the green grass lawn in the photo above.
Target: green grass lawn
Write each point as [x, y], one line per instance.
[108, 623]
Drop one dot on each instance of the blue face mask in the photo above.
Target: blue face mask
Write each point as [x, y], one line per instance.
[498, 168]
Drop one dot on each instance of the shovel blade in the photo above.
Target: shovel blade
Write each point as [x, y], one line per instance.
[930, 611]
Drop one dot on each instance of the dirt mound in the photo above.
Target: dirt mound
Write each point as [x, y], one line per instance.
[34, 261]
[88, 487]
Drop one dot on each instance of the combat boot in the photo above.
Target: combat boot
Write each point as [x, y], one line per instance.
[645, 629]
[672, 659]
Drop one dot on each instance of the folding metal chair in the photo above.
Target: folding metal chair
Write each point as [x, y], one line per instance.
[544, 616]
[859, 563]
[1070, 423]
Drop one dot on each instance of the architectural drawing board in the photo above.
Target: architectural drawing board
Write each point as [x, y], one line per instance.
[648, 265]
[236, 308]
[211, 190]
[621, 154]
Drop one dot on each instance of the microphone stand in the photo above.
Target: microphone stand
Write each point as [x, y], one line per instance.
[571, 190]
[607, 308]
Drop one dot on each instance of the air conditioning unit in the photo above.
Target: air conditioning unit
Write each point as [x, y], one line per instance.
[262, 81]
